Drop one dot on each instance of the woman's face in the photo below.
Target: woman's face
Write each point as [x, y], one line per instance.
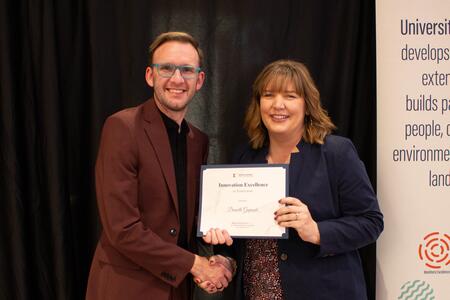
[283, 112]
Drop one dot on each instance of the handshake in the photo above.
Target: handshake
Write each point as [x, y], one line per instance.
[213, 274]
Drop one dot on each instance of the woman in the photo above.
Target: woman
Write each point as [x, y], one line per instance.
[331, 210]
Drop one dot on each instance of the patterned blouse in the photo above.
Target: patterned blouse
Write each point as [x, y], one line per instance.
[261, 272]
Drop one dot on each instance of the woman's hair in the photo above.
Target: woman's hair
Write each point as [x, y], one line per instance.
[278, 75]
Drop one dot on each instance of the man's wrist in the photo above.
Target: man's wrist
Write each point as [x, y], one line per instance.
[196, 267]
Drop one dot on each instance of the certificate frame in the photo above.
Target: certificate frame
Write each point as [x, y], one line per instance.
[239, 168]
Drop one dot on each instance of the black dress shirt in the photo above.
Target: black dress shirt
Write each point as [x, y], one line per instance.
[177, 139]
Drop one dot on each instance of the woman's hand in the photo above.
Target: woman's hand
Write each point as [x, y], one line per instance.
[296, 215]
[218, 237]
[208, 286]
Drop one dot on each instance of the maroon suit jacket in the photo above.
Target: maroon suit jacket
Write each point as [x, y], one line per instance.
[137, 256]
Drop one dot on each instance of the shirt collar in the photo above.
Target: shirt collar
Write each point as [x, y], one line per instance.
[172, 125]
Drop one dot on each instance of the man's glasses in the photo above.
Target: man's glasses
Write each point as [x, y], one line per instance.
[167, 70]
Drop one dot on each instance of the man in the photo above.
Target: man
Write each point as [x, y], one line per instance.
[147, 176]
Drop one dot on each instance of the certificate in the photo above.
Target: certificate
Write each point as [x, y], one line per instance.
[242, 199]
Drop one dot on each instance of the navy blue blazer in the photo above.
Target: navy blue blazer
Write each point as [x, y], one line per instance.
[332, 181]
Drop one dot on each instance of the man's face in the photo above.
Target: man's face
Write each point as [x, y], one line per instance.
[173, 94]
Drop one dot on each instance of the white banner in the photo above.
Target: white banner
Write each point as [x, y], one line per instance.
[413, 146]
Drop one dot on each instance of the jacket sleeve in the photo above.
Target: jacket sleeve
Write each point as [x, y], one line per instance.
[117, 196]
[360, 221]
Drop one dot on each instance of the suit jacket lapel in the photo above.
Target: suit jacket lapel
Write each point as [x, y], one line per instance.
[297, 166]
[157, 134]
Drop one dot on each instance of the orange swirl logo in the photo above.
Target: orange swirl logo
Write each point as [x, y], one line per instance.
[435, 250]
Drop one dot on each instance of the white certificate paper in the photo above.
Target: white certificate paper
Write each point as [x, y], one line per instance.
[242, 199]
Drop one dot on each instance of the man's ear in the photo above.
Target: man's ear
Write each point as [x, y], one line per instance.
[200, 80]
[149, 76]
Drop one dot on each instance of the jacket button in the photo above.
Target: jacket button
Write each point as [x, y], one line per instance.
[173, 232]
[283, 256]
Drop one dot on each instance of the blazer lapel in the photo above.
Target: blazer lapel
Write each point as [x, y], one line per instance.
[157, 134]
[297, 166]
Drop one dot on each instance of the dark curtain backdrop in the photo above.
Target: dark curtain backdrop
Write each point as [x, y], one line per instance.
[66, 65]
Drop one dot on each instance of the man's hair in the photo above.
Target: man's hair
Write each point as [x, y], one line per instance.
[277, 76]
[181, 37]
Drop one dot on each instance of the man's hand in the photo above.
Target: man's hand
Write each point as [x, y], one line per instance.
[228, 263]
[218, 237]
[211, 276]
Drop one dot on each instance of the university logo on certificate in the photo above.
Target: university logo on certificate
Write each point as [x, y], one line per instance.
[242, 199]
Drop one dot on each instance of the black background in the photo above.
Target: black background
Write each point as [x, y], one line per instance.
[66, 65]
